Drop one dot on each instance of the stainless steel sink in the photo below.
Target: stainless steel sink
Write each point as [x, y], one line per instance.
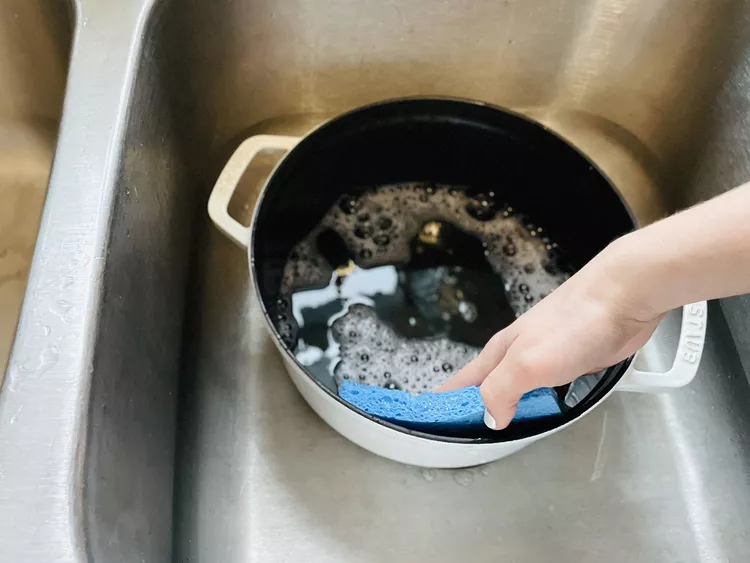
[145, 415]
[34, 48]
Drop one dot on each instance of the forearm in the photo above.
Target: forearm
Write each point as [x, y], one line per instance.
[701, 253]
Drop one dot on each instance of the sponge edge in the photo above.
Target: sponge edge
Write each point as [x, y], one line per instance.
[451, 409]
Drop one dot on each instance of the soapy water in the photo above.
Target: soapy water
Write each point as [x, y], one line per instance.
[373, 353]
[378, 225]
[402, 285]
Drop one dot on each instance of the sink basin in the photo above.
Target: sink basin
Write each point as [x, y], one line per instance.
[34, 48]
[152, 414]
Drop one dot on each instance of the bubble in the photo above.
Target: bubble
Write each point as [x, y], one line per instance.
[349, 204]
[381, 239]
[364, 357]
[287, 332]
[365, 254]
[482, 206]
[363, 231]
[509, 249]
[551, 269]
[385, 223]
[447, 367]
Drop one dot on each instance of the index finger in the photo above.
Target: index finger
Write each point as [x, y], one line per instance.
[480, 367]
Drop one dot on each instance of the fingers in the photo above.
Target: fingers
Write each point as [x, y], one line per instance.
[501, 391]
[471, 374]
[480, 367]
[503, 376]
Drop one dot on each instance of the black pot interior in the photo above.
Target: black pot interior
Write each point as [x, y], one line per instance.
[449, 142]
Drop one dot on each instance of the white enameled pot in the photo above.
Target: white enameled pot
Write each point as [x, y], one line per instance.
[391, 441]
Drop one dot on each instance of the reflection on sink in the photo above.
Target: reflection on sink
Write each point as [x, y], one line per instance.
[34, 46]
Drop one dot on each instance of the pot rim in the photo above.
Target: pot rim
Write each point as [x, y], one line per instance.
[603, 389]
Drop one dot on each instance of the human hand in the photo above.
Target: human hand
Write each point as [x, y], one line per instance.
[589, 323]
[609, 309]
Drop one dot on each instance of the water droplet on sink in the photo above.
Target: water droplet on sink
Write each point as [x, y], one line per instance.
[63, 309]
[13, 418]
[463, 477]
[38, 366]
[44, 328]
[428, 474]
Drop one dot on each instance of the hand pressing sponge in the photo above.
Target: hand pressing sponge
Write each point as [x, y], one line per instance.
[451, 409]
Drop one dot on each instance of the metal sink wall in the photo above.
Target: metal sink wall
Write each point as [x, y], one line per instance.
[145, 414]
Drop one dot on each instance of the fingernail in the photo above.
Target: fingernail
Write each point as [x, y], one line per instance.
[489, 421]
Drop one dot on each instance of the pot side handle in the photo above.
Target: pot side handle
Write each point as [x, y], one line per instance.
[685, 366]
[221, 195]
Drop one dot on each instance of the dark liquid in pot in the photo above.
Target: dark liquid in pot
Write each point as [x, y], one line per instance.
[403, 285]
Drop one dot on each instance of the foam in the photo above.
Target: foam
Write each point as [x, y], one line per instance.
[377, 227]
[305, 267]
[379, 224]
[374, 354]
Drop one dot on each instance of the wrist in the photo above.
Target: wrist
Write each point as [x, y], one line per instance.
[634, 281]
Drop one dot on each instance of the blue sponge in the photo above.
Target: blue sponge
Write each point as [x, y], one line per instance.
[462, 407]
